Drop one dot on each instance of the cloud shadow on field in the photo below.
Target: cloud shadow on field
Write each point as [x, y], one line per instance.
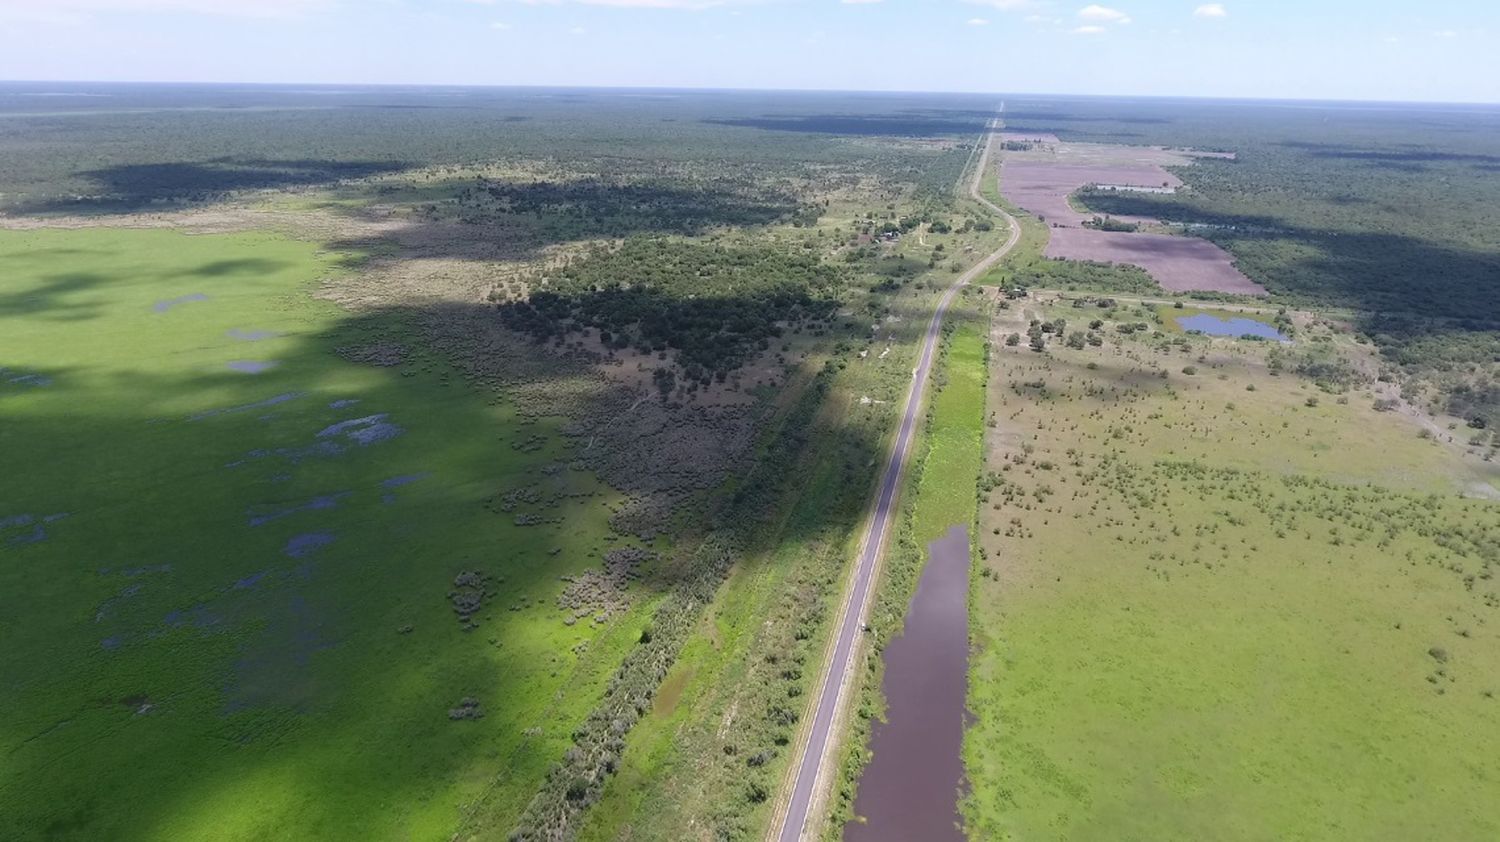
[1069, 132]
[50, 297]
[1390, 156]
[323, 667]
[891, 125]
[130, 187]
[492, 219]
[1080, 118]
[249, 265]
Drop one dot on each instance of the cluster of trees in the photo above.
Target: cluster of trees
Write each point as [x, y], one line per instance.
[1318, 362]
[1109, 223]
[715, 306]
[620, 206]
[1080, 275]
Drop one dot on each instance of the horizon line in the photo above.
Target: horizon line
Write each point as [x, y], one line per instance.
[1270, 100]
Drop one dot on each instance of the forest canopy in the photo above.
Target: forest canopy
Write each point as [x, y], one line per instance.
[715, 305]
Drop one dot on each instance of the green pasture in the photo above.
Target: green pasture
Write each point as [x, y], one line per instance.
[1216, 610]
[955, 436]
[224, 595]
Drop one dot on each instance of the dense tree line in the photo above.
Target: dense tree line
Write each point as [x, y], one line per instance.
[715, 306]
[618, 206]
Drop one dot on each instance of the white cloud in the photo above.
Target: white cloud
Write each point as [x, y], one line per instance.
[500, 25]
[1211, 10]
[1103, 14]
[977, 22]
[1004, 5]
[1090, 30]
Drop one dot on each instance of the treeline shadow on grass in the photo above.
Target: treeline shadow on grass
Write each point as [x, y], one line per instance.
[131, 187]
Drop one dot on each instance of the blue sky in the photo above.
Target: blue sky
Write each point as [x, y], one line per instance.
[1447, 50]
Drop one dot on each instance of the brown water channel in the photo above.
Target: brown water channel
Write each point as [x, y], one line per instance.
[910, 789]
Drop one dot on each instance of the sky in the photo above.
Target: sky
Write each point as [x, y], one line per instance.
[1435, 51]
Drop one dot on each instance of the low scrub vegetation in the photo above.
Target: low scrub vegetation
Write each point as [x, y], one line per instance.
[1192, 553]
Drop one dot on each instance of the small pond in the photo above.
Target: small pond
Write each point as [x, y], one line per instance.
[1215, 326]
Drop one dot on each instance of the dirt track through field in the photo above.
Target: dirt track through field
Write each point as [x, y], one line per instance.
[814, 764]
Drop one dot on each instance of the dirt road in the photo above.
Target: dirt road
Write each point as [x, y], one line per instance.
[815, 763]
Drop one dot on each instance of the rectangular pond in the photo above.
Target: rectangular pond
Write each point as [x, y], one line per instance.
[911, 787]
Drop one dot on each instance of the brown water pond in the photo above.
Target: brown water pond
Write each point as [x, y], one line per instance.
[911, 787]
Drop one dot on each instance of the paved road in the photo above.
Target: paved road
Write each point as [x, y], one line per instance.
[814, 764]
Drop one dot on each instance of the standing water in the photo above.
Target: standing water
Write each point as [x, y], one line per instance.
[910, 789]
[1215, 326]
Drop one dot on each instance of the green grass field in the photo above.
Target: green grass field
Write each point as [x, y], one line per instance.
[955, 435]
[1221, 604]
[287, 666]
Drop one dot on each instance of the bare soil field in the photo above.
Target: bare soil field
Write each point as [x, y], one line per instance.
[1040, 180]
[1179, 264]
[1042, 188]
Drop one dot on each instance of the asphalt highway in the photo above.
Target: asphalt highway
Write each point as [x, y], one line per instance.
[813, 764]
